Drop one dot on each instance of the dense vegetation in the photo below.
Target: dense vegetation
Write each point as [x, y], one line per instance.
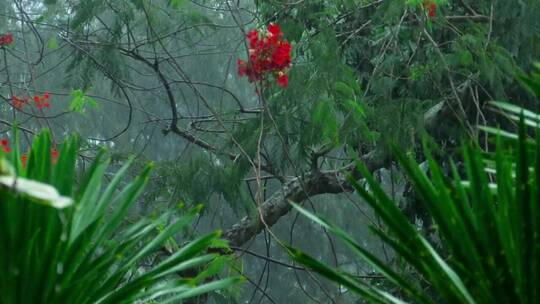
[262, 120]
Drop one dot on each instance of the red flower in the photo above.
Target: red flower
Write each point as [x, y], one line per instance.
[253, 37]
[42, 101]
[274, 29]
[269, 54]
[242, 67]
[5, 145]
[19, 103]
[274, 32]
[6, 39]
[24, 159]
[282, 55]
[54, 155]
[283, 80]
[431, 8]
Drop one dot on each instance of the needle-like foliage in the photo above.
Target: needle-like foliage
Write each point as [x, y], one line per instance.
[487, 216]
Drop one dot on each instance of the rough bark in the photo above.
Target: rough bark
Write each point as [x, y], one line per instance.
[297, 190]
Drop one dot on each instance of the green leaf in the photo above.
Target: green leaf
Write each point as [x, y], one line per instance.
[79, 102]
[465, 58]
[176, 3]
[355, 285]
[52, 44]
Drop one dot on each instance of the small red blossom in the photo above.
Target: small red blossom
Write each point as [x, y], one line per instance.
[269, 54]
[282, 54]
[6, 39]
[253, 37]
[274, 29]
[432, 13]
[42, 101]
[18, 103]
[54, 155]
[283, 80]
[5, 145]
[242, 67]
[431, 8]
[24, 159]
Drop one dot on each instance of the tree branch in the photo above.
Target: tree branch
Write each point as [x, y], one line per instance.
[297, 190]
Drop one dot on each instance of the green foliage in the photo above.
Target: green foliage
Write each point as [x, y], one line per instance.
[324, 120]
[323, 106]
[488, 224]
[54, 249]
[79, 101]
[52, 44]
[176, 3]
[85, 12]
[489, 231]
[404, 62]
[194, 179]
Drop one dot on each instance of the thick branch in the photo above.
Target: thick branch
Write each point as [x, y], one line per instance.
[297, 190]
[278, 205]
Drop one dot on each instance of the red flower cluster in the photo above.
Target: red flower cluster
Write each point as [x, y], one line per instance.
[40, 101]
[24, 158]
[54, 157]
[6, 39]
[19, 102]
[5, 145]
[269, 54]
[431, 8]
